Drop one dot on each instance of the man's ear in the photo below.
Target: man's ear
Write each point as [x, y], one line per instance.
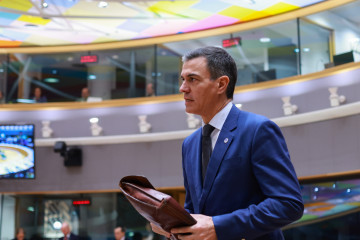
[223, 82]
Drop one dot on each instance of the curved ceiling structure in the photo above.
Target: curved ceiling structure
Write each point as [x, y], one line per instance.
[26, 23]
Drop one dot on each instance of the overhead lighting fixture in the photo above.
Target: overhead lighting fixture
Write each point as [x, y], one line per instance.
[51, 80]
[92, 77]
[306, 49]
[102, 4]
[265, 40]
[296, 50]
[31, 209]
[44, 4]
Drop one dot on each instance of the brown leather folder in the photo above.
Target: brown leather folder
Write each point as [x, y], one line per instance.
[157, 207]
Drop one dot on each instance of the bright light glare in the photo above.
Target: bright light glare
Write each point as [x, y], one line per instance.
[102, 4]
[94, 120]
[57, 225]
[265, 40]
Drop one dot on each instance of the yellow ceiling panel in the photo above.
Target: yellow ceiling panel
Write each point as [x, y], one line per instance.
[171, 7]
[280, 8]
[34, 20]
[16, 4]
[256, 15]
[237, 12]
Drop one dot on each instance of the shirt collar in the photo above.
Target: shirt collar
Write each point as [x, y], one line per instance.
[219, 119]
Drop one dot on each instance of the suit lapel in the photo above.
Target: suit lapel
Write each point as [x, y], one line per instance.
[222, 144]
[196, 169]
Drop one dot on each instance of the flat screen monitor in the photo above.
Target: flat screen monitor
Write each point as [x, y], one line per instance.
[17, 151]
[343, 58]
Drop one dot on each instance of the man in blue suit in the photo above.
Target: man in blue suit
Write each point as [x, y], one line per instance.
[248, 189]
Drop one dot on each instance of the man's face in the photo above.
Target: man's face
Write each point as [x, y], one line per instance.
[37, 92]
[84, 92]
[20, 235]
[65, 228]
[118, 233]
[200, 92]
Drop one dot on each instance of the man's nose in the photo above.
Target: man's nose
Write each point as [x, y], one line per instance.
[183, 87]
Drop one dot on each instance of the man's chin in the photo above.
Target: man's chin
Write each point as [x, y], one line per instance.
[190, 110]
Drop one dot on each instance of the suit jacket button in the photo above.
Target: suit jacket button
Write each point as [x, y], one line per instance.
[226, 140]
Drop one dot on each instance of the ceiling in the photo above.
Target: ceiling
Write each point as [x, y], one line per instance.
[67, 22]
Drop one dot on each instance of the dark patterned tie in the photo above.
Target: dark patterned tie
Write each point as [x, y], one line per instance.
[206, 147]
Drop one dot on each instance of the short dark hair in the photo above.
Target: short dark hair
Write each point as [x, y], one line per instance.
[20, 229]
[219, 63]
[123, 229]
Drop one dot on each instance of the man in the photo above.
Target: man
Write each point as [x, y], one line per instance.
[248, 189]
[66, 230]
[150, 92]
[20, 234]
[38, 97]
[84, 94]
[119, 233]
[2, 98]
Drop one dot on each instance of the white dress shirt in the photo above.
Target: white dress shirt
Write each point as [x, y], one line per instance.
[217, 122]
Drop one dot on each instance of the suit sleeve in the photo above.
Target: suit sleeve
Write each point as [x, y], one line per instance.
[276, 177]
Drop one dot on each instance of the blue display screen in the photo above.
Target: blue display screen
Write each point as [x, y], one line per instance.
[17, 155]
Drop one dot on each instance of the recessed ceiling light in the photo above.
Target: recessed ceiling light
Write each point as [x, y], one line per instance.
[51, 80]
[296, 50]
[306, 49]
[265, 39]
[92, 77]
[102, 4]
[44, 4]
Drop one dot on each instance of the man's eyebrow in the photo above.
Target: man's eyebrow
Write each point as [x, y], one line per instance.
[191, 75]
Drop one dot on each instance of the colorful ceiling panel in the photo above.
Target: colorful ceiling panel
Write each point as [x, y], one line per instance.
[68, 22]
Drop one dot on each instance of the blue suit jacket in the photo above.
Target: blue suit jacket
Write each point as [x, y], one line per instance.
[250, 188]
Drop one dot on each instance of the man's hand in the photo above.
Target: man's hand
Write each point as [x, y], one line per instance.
[159, 230]
[204, 229]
